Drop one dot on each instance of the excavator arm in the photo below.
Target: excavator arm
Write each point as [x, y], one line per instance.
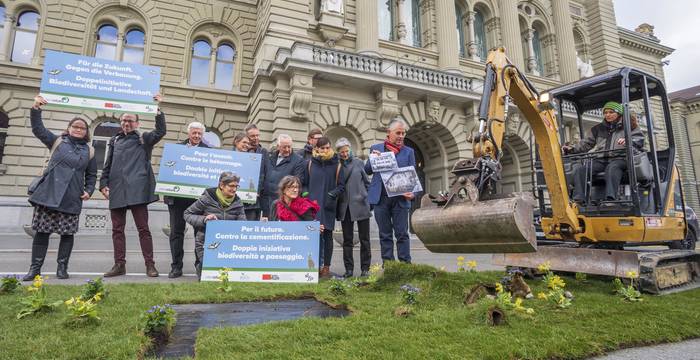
[475, 220]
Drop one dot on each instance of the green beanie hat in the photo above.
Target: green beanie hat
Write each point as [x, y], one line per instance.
[616, 107]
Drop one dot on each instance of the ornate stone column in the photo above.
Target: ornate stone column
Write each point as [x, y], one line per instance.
[5, 50]
[120, 47]
[510, 31]
[471, 48]
[531, 59]
[367, 25]
[401, 23]
[212, 65]
[564, 40]
[447, 35]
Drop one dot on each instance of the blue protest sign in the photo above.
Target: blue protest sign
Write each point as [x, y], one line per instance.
[90, 83]
[188, 171]
[262, 251]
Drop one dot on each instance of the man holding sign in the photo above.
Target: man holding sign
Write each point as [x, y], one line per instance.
[391, 212]
[128, 182]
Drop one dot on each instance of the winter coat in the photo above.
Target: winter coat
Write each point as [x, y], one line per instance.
[604, 136]
[405, 157]
[182, 202]
[302, 209]
[70, 171]
[209, 204]
[261, 179]
[292, 165]
[354, 199]
[128, 172]
[323, 179]
[307, 152]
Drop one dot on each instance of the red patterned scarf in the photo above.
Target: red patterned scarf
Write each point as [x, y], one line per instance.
[296, 209]
[393, 148]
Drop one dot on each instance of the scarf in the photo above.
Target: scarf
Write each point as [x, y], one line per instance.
[297, 208]
[324, 157]
[223, 200]
[393, 148]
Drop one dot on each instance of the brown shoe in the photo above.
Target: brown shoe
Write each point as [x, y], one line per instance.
[117, 270]
[151, 271]
[325, 272]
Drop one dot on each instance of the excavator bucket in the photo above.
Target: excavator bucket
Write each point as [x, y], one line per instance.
[462, 226]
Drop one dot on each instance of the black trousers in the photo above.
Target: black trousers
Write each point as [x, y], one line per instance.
[177, 230]
[365, 252]
[325, 247]
[614, 171]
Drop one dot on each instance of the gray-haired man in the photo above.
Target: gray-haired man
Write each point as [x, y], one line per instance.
[177, 206]
[278, 164]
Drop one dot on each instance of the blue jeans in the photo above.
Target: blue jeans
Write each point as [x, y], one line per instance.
[392, 220]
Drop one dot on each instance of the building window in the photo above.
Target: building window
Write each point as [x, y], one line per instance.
[134, 44]
[213, 68]
[461, 38]
[537, 51]
[386, 19]
[106, 46]
[480, 35]
[100, 140]
[399, 20]
[225, 64]
[412, 17]
[26, 30]
[212, 139]
[4, 124]
[471, 30]
[2, 26]
[110, 45]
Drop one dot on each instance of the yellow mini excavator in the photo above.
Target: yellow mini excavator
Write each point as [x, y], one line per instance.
[596, 236]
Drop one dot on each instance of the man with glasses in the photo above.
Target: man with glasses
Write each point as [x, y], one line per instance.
[252, 211]
[128, 182]
[177, 206]
[307, 152]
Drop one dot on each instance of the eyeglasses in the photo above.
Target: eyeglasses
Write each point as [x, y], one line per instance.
[292, 187]
[78, 128]
[231, 186]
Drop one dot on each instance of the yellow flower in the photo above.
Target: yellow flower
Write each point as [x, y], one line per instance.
[460, 258]
[544, 267]
[499, 288]
[69, 301]
[471, 264]
[518, 303]
[555, 282]
[98, 296]
[530, 311]
[562, 299]
[542, 296]
[375, 269]
[632, 274]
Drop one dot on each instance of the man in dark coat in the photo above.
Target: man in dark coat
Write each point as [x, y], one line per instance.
[128, 182]
[252, 211]
[278, 164]
[177, 206]
[306, 152]
[323, 181]
[391, 213]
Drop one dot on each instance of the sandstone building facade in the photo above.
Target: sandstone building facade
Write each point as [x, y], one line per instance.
[346, 66]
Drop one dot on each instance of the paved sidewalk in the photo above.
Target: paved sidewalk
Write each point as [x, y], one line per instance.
[684, 350]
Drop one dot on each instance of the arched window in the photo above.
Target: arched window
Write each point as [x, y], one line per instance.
[4, 124]
[201, 57]
[411, 16]
[480, 35]
[212, 139]
[134, 44]
[386, 19]
[537, 48]
[2, 26]
[100, 138]
[225, 64]
[26, 30]
[106, 45]
[461, 38]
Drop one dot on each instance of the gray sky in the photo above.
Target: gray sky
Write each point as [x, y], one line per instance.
[676, 25]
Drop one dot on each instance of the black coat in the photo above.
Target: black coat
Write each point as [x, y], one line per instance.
[70, 171]
[128, 172]
[208, 204]
[182, 202]
[292, 165]
[307, 152]
[324, 182]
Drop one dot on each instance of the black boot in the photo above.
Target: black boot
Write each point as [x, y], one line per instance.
[64, 251]
[38, 255]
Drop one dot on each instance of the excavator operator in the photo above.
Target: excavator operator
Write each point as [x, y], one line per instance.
[608, 135]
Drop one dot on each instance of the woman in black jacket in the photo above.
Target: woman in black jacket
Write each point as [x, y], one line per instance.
[67, 181]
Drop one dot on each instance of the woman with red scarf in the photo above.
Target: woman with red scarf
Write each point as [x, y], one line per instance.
[290, 206]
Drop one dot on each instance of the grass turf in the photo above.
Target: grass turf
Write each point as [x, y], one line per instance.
[440, 327]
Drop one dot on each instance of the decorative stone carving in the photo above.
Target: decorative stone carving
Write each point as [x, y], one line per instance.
[388, 105]
[300, 94]
[433, 111]
[332, 6]
[585, 69]
[512, 123]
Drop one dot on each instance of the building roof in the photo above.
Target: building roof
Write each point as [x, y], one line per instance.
[691, 93]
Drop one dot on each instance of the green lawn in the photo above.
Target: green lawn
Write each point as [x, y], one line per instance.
[440, 328]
